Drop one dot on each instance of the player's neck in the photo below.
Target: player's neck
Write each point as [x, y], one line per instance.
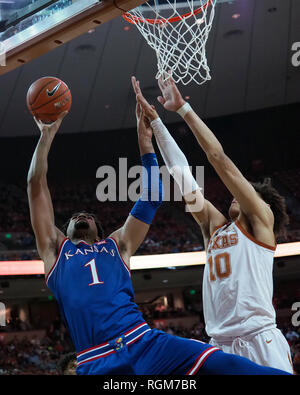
[244, 221]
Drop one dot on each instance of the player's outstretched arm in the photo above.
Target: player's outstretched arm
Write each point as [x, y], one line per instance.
[137, 225]
[256, 210]
[48, 236]
[205, 214]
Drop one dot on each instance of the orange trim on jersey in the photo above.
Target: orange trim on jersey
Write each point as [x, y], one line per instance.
[216, 228]
[252, 238]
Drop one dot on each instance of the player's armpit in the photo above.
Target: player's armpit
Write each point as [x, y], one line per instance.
[130, 236]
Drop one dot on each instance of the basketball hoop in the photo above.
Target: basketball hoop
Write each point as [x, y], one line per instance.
[178, 39]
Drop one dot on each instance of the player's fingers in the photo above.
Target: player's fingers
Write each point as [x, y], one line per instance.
[171, 77]
[161, 100]
[161, 84]
[139, 88]
[143, 102]
[36, 121]
[142, 113]
[165, 79]
[62, 115]
[133, 82]
[59, 120]
[147, 108]
[40, 124]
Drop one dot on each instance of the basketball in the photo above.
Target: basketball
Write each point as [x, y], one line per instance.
[47, 98]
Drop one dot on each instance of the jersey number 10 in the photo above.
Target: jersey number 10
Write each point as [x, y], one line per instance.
[220, 266]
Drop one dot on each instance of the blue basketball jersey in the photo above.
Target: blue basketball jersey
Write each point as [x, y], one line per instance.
[93, 288]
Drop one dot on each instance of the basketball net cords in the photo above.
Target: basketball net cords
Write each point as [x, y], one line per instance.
[178, 40]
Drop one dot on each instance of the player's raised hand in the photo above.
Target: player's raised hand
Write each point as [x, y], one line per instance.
[53, 127]
[171, 98]
[143, 125]
[148, 109]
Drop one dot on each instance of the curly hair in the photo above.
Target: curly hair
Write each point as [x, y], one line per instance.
[277, 204]
[100, 231]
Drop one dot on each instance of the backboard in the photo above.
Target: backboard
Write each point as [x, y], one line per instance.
[30, 28]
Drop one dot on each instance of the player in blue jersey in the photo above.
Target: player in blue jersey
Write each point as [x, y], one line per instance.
[90, 278]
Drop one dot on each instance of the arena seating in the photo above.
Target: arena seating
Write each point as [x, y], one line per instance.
[173, 230]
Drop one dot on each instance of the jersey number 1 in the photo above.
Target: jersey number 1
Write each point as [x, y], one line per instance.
[215, 268]
[92, 265]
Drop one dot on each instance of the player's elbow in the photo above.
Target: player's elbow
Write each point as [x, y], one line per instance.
[216, 156]
[34, 186]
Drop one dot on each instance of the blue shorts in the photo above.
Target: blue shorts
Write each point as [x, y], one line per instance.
[145, 351]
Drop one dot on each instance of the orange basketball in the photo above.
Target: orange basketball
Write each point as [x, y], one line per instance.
[47, 98]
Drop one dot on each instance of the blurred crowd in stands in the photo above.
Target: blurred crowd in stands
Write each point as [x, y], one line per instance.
[173, 230]
[33, 355]
[11, 8]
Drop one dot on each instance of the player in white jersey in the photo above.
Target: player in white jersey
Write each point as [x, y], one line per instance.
[237, 282]
[237, 295]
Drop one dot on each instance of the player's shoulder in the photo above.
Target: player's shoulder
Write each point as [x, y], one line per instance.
[258, 235]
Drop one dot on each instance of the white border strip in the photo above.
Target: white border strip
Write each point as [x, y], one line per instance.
[138, 336]
[203, 356]
[136, 329]
[140, 262]
[93, 349]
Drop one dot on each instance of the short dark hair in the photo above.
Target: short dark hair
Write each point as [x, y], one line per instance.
[63, 363]
[100, 231]
[277, 204]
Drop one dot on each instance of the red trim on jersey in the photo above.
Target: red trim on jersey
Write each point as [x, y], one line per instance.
[96, 242]
[137, 338]
[84, 242]
[92, 348]
[97, 357]
[208, 352]
[128, 268]
[134, 329]
[249, 236]
[56, 260]
[106, 343]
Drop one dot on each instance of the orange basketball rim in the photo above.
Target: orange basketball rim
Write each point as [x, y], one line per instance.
[134, 19]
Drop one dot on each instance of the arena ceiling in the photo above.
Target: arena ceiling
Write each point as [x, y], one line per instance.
[252, 52]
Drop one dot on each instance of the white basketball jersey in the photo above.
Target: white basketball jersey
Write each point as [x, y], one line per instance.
[237, 284]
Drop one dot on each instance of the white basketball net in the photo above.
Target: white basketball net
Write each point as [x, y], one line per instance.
[178, 36]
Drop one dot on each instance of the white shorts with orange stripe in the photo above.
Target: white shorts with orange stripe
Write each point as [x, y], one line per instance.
[267, 348]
